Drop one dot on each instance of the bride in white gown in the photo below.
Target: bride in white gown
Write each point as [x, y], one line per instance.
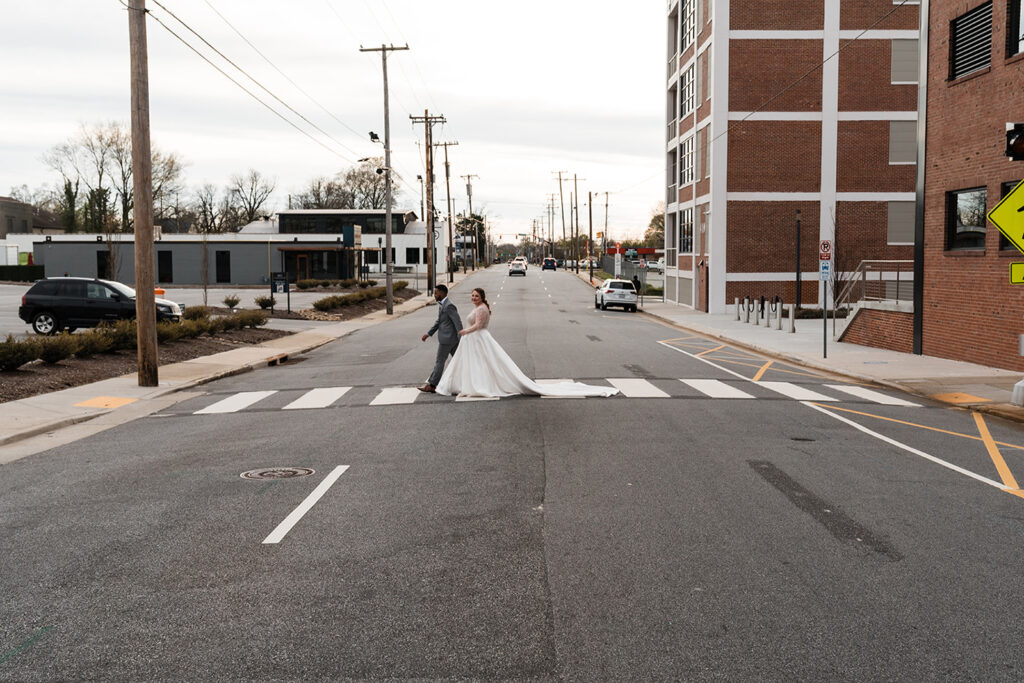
[481, 367]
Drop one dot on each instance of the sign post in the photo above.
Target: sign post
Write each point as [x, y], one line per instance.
[825, 275]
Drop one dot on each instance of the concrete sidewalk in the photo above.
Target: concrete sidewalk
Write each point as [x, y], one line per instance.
[976, 387]
[45, 413]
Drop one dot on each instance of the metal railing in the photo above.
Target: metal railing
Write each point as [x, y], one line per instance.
[876, 281]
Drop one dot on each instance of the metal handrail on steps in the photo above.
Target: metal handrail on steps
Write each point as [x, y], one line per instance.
[861, 285]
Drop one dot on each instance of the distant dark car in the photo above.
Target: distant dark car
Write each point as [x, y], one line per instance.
[549, 264]
[59, 303]
[561, 263]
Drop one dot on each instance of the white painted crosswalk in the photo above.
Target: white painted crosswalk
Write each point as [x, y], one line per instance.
[629, 387]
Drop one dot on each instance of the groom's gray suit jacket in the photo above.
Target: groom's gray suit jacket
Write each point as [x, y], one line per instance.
[447, 325]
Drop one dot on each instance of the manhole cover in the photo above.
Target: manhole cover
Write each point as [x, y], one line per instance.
[278, 473]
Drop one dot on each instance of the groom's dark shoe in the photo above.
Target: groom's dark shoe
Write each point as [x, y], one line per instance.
[427, 388]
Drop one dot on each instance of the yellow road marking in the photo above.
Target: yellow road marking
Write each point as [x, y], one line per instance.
[764, 368]
[667, 341]
[913, 424]
[106, 402]
[710, 350]
[959, 397]
[1004, 472]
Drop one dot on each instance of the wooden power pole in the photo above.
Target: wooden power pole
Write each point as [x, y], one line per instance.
[428, 122]
[448, 193]
[476, 226]
[142, 185]
[389, 293]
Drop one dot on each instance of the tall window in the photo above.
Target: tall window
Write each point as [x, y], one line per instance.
[686, 38]
[1015, 28]
[687, 95]
[970, 45]
[686, 161]
[902, 142]
[965, 219]
[412, 255]
[686, 231]
[903, 66]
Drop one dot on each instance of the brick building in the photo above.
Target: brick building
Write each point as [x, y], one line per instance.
[765, 120]
[975, 86]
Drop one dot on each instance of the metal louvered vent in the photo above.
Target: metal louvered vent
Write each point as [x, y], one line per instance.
[971, 44]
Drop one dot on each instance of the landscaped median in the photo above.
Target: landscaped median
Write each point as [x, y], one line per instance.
[331, 303]
[119, 336]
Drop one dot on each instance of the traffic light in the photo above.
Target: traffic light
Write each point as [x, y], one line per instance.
[1015, 141]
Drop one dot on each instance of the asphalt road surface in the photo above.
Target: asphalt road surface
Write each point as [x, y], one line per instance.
[725, 517]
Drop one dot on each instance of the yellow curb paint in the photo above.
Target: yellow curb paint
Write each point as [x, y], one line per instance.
[764, 368]
[959, 397]
[717, 348]
[105, 402]
[914, 424]
[993, 451]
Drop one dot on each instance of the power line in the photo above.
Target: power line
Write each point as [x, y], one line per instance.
[276, 68]
[244, 89]
[262, 87]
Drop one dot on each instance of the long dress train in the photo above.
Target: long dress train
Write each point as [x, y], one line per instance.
[481, 368]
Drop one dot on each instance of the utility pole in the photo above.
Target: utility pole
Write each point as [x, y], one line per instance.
[561, 203]
[448, 191]
[590, 241]
[476, 225]
[428, 122]
[576, 240]
[388, 280]
[551, 222]
[142, 185]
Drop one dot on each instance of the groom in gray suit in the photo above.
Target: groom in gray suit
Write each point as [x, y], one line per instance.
[447, 327]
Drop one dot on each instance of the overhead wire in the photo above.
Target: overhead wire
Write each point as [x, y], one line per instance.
[251, 78]
[276, 68]
[243, 88]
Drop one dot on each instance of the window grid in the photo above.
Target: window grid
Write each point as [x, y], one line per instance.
[687, 94]
[686, 231]
[686, 161]
[686, 37]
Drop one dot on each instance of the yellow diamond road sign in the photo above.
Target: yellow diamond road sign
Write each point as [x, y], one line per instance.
[1008, 216]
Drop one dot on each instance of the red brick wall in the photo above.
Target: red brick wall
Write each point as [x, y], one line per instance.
[760, 69]
[862, 233]
[865, 79]
[971, 311]
[685, 193]
[863, 13]
[775, 156]
[863, 160]
[773, 14]
[685, 125]
[762, 237]
[891, 330]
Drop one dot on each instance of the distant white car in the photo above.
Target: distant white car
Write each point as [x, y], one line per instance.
[656, 266]
[616, 293]
[517, 267]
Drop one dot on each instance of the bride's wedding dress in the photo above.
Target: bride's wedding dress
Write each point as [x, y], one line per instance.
[481, 367]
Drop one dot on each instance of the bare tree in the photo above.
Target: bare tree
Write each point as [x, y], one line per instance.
[251, 191]
[367, 184]
[213, 211]
[325, 193]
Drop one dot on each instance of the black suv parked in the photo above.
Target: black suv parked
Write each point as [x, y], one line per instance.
[71, 302]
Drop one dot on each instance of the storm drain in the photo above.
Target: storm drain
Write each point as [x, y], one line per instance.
[278, 473]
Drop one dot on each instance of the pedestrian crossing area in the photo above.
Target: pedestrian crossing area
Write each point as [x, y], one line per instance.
[629, 388]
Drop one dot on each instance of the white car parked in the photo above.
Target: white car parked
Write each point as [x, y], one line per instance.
[616, 293]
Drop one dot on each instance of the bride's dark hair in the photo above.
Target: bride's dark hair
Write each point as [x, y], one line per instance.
[483, 298]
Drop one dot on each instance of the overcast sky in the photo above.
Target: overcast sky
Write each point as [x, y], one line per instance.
[527, 87]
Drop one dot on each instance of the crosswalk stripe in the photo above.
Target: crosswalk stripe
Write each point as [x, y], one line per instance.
[795, 391]
[317, 398]
[715, 388]
[632, 387]
[390, 396]
[877, 397]
[233, 404]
